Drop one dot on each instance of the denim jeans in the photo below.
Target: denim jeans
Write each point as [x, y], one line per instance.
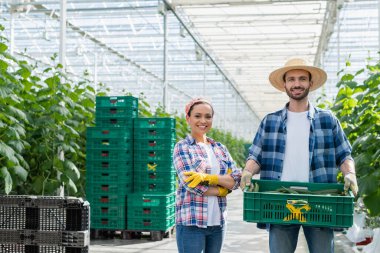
[283, 238]
[192, 239]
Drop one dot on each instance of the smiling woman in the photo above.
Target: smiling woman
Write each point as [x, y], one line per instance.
[206, 173]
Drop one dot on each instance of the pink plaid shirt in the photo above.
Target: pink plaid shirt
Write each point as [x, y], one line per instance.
[191, 205]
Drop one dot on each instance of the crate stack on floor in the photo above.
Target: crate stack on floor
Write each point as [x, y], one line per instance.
[152, 205]
[109, 161]
[32, 224]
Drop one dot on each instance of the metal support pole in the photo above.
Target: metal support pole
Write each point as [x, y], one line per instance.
[378, 24]
[12, 31]
[236, 116]
[96, 71]
[204, 76]
[62, 33]
[338, 42]
[224, 104]
[165, 77]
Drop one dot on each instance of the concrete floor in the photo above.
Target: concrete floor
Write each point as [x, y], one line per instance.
[241, 237]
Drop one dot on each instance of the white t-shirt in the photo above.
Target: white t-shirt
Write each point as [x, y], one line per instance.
[296, 159]
[213, 210]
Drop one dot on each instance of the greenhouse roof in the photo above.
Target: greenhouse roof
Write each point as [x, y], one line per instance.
[221, 49]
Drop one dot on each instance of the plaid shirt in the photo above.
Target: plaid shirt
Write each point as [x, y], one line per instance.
[328, 145]
[191, 205]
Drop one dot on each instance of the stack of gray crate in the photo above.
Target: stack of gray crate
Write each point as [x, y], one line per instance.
[34, 224]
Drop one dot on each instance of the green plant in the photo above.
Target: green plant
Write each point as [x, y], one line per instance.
[357, 106]
[42, 125]
[13, 120]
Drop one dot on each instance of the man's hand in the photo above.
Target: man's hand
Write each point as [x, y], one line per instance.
[351, 183]
[196, 178]
[245, 180]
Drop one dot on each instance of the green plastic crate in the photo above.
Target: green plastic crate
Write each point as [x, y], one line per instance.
[280, 208]
[98, 166]
[115, 112]
[114, 223]
[154, 166]
[126, 123]
[109, 188]
[153, 187]
[161, 200]
[105, 211]
[156, 212]
[152, 155]
[106, 154]
[168, 123]
[109, 143]
[109, 133]
[152, 144]
[155, 177]
[116, 101]
[155, 133]
[146, 224]
[106, 199]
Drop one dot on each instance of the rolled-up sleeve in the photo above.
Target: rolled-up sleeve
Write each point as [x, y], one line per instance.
[236, 172]
[342, 145]
[255, 150]
[182, 163]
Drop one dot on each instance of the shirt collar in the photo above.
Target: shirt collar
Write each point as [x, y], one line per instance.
[310, 114]
[191, 141]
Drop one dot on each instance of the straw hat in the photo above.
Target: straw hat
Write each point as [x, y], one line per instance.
[318, 76]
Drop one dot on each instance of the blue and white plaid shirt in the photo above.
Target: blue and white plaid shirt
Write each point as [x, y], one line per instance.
[328, 145]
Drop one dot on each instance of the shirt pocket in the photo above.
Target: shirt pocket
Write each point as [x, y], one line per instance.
[199, 164]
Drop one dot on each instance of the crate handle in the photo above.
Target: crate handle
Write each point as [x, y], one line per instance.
[106, 142]
[152, 122]
[113, 121]
[105, 164]
[113, 100]
[146, 200]
[152, 153]
[104, 209]
[152, 132]
[105, 187]
[152, 186]
[152, 175]
[152, 143]
[104, 153]
[113, 110]
[146, 210]
[105, 132]
[297, 202]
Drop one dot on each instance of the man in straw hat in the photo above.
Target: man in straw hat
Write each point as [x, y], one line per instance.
[300, 143]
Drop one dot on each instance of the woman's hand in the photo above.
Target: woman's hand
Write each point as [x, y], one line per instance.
[195, 178]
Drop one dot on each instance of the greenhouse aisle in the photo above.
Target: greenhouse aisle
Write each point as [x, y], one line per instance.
[241, 237]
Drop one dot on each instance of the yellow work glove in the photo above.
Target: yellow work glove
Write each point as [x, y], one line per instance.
[351, 183]
[196, 178]
[222, 191]
[245, 180]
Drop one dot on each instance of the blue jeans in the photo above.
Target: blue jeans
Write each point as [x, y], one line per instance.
[283, 238]
[192, 239]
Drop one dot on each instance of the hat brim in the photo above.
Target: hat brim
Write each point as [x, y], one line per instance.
[318, 76]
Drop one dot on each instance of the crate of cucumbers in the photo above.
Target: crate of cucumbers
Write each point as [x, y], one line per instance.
[310, 204]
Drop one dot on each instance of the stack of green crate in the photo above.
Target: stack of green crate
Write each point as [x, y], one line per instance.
[154, 175]
[150, 211]
[109, 161]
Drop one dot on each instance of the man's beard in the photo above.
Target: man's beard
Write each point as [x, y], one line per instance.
[298, 97]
